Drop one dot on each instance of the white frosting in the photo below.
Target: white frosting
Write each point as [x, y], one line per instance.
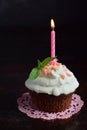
[54, 84]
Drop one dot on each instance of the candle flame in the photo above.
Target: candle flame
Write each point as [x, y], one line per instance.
[52, 24]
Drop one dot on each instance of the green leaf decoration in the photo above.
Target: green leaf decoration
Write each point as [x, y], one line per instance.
[38, 61]
[46, 61]
[35, 72]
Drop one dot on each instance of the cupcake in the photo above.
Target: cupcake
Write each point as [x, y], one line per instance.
[51, 85]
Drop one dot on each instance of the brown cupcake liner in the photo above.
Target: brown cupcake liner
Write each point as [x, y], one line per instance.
[50, 103]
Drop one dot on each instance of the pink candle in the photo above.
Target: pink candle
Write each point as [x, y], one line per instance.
[52, 39]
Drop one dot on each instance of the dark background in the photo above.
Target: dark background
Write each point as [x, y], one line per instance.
[25, 37]
[25, 29]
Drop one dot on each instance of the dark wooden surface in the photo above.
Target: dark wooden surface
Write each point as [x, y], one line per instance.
[14, 70]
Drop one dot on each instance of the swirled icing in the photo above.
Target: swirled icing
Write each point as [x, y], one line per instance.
[54, 79]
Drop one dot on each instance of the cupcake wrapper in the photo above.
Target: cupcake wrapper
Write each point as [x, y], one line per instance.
[50, 103]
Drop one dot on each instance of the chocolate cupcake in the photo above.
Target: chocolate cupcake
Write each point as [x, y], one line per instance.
[51, 85]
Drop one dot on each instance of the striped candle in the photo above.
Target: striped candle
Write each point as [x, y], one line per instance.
[52, 39]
